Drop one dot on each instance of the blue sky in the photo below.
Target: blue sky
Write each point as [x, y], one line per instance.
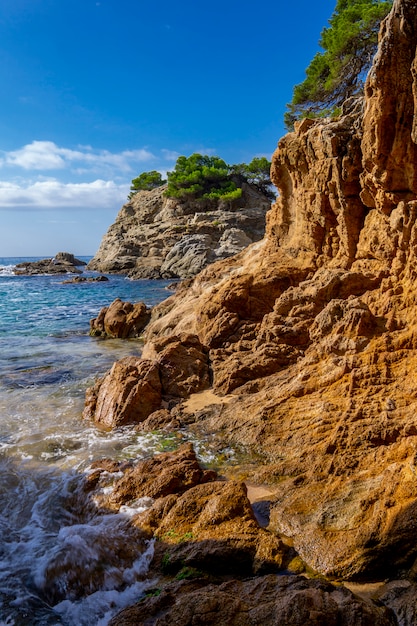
[97, 91]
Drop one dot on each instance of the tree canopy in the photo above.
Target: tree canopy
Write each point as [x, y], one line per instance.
[349, 44]
[202, 177]
[257, 174]
[146, 182]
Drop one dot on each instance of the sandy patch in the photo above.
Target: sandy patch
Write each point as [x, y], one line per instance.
[200, 400]
[258, 492]
[364, 590]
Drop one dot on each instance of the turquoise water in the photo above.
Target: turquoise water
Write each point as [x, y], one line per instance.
[47, 360]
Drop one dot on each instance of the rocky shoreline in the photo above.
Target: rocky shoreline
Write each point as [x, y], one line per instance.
[307, 340]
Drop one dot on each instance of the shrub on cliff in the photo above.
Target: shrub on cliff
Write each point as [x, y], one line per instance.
[210, 178]
[146, 182]
[256, 174]
[202, 177]
[349, 44]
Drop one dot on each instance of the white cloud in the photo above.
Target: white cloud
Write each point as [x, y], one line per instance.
[46, 155]
[53, 194]
[170, 155]
[39, 155]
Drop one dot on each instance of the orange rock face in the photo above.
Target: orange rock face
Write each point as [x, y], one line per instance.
[121, 320]
[129, 393]
[314, 329]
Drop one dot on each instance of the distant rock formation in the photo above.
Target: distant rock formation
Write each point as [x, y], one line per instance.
[158, 237]
[61, 263]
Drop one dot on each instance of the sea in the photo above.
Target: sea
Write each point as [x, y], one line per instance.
[47, 361]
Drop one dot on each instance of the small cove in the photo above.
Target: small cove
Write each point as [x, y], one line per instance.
[47, 360]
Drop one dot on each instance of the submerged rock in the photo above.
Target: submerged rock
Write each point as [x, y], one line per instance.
[84, 279]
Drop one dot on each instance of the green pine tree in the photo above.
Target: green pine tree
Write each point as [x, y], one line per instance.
[349, 45]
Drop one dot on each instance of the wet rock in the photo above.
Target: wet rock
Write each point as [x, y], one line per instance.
[128, 394]
[267, 600]
[164, 474]
[83, 279]
[159, 420]
[121, 320]
[199, 521]
[93, 556]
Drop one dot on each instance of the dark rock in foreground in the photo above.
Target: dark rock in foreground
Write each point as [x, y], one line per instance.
[267, 600]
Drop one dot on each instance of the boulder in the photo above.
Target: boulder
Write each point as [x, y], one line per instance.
[128, 394]
[121, 320]
[170, 369]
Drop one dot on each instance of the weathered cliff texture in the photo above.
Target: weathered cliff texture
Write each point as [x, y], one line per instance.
[312, 333]
[158, 237]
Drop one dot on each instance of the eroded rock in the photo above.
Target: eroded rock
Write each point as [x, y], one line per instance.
[268, 600]
[314, 329]
[121, 319]
[158, 237]
[128, 394]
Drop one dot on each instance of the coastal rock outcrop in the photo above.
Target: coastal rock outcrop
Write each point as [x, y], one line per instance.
[170, 369]
[61, 263]
[158, 237]
[312, 332]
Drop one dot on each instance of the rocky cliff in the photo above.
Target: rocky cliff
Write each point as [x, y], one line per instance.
[158, 237]
[311, 333]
